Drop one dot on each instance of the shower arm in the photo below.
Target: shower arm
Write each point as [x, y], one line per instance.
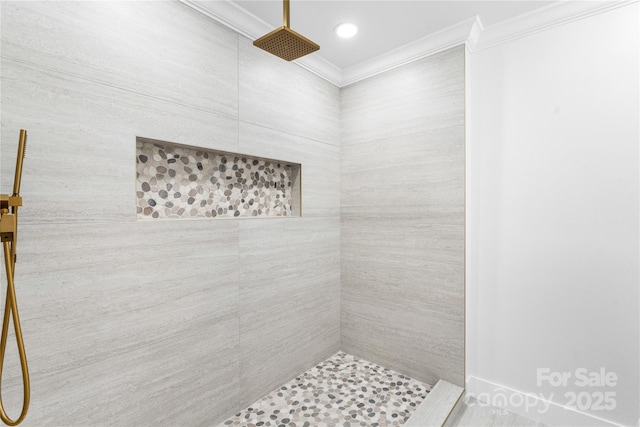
[9, 237]
[286, 16]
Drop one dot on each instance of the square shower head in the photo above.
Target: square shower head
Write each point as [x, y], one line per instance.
[286, 43]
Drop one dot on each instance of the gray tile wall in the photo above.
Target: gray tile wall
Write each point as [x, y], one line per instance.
[184, 322]
[402, 218]
[167, 322]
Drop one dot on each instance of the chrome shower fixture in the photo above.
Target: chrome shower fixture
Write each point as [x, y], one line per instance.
[284, 42]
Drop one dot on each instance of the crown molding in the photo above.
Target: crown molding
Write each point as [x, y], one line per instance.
[469, 32]
[545, 18]
[321, 67]
[228, 13]
[433, 43]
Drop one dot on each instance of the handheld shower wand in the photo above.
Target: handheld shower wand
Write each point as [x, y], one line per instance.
[9, 237]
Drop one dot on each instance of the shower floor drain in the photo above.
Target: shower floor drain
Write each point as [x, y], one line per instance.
[342, 391]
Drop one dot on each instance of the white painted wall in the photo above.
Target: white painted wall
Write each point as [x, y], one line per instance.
[552, 211]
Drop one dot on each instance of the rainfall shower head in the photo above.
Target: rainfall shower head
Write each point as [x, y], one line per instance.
[284, 42]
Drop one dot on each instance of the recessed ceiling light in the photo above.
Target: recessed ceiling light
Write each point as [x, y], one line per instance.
[346, 30]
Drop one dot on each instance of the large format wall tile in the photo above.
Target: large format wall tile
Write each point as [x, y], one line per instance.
[412, 175]
[429, 249]
[426, 347]
[122, 322]
[402, 218]
[275, 94]
[425, 95]
[290, 299]
[161, 49]
[81, 142]
[402, 283]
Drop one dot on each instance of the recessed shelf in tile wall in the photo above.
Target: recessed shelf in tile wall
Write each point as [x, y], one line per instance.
[181, 181]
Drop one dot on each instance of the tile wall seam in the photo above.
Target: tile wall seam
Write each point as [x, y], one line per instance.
[404, 135]
[241, 121]
[238, 241]
[238, 74]
[340, 214]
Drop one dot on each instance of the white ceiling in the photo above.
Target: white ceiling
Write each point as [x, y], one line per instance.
[394, 32]
[383, 25]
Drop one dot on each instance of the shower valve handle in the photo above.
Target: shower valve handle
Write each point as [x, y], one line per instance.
[7, 225]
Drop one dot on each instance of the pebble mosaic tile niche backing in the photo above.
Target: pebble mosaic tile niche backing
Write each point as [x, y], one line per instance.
[177, 181]
[342, 391]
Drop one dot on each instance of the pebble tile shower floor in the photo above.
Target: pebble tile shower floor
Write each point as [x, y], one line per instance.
[342, 391]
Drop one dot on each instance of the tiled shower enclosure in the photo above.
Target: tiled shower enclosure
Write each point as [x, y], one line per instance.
[133, 321]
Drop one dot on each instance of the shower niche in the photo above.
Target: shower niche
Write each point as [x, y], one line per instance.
[176, 181]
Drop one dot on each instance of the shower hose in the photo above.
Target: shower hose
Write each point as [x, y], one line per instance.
[11, 307]
[8, 234]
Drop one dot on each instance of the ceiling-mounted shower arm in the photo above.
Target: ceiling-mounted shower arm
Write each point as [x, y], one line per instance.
[286, 16]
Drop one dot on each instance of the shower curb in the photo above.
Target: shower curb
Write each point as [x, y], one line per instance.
[434, 411]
